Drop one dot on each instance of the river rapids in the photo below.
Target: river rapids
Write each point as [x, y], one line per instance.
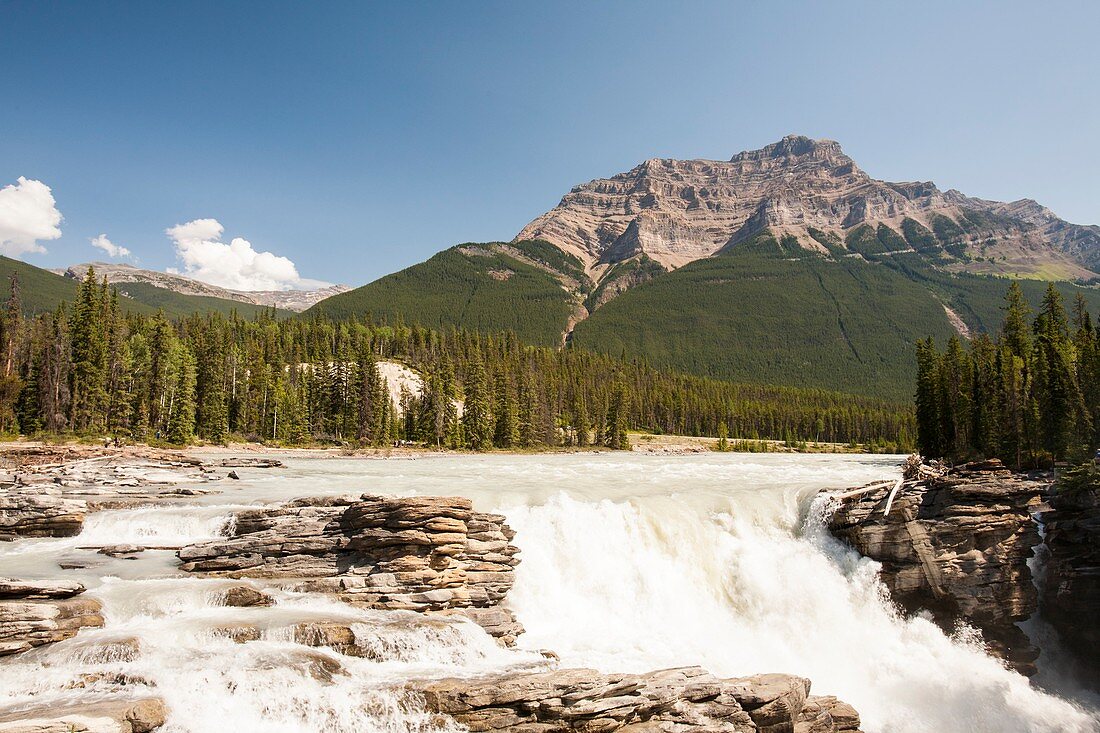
[629, 563]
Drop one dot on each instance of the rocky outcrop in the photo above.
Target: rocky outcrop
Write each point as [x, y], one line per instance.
[414, 553]
[39, 512]
[33, 613]
[958, 546]
[119, 274]
[677, 211]
[686, 699]
[1071, 579]
[107, 716]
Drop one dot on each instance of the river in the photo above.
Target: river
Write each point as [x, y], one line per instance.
[629, 563]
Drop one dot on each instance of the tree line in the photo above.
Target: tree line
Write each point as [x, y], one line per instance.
[1030, 395]
[91, 369]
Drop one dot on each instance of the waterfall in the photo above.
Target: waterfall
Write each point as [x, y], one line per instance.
[629, 563]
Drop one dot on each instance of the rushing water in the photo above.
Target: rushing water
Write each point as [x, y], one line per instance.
[629, 563]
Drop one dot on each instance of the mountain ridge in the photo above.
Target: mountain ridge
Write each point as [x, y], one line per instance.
[784, 265]
[678, 211]
[121, 274]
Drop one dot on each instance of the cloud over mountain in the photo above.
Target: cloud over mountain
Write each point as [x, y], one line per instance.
[113, 250]
[234, 265]
[28, 214]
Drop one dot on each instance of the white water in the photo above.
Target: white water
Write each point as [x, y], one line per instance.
[629, 563]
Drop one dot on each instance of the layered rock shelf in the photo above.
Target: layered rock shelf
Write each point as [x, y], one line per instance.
[39, 512]
[429, 554]
[686, 699]
[957, 544]
[34, 613]
[108, 716]
[1071, 581]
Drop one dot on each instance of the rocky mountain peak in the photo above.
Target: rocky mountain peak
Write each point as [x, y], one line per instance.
[794, 146]
[676, 211]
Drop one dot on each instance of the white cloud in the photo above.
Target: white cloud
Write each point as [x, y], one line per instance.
[28, 213]
[112, 249]
[235, 265]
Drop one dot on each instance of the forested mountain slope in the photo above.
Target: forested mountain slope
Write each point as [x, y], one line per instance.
[785, 265]
[529, 288]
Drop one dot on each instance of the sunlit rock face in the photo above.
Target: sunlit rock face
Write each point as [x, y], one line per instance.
[956, 545]
[677, 211]
[411, 553]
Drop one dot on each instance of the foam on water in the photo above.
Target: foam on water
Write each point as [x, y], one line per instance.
[629, 563]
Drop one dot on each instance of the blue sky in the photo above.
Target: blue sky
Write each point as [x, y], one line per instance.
[358, 138]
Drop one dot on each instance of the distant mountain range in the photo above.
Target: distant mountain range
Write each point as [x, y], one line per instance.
[129, 279]
[42, 290]
[787, 265]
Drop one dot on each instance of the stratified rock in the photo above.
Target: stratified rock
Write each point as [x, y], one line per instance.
[33, 613]
[1071, 584]
[124, 551]
[39, 511]
[410, 553]
[248, 462]
[677, 211]
[108, 716]
[685, 699]
[956, 545]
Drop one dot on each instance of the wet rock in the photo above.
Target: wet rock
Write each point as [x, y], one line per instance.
[108, 716]
[408, 553]
[233, 475]
[243, 596]
[128, 552]
[39, 512]
[38, 589]
[823, 714]
[686, 699]
[1071, 581]
[956, 545]
[248, 463]
[241, 634]
[33, 613]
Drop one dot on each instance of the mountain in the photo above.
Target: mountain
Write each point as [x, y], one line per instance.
[678, 211]
[42, 290]
[529, 287]
[123, 276]
[785, 265]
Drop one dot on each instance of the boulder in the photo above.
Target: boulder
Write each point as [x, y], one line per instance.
[1071, 582]
[33, 613]
[408, 553]
[956, 544]
[243, 596]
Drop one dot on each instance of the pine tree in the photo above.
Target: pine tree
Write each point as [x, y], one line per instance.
[581, 427]
[477, 422]
[723, 437]
[1014, 331]
[506, 428]
[181, 411]
[88, 356]
[929, 425]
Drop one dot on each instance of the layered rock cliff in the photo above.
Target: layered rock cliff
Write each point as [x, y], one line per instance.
[956, 544]
[677, 211]
[418, 554]
[35, 613]
[1071, 578]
